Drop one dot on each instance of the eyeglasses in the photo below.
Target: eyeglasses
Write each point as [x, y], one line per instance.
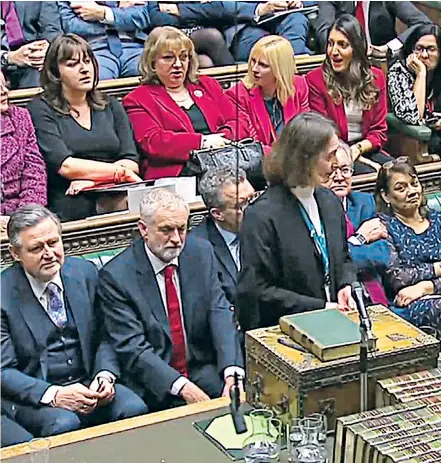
[171, 59]
[346, 172]
[431, 49]
[399, 160]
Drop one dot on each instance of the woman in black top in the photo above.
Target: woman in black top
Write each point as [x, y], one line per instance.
[85, 138]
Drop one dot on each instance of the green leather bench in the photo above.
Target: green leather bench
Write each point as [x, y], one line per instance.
[434, 201]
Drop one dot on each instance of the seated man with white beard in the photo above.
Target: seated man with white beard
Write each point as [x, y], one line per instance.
[167, 316]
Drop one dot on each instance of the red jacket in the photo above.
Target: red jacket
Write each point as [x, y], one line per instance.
[252, 106]
[374, 121]
[163, 130]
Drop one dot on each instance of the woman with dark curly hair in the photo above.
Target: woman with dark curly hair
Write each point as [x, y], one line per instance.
[414, 82]
[85, 138]
[294, 251]
[353, 94]
[414, 270]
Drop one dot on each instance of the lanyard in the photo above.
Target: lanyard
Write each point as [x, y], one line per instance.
[321, 247]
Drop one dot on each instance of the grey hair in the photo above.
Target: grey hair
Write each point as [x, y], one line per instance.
[26, 217]
[212, 183]
[347, 149]
[160, 198]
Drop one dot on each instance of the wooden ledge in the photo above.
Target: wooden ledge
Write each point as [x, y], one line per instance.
[121, 426]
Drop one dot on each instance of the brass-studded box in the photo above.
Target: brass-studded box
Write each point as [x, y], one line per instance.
[296, 383]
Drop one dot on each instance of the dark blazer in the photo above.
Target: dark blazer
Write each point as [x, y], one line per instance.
[24, 178]
[367, 257]
[281, 270]
[164, 131]
[23, 342]
[207, 231]
[137, 321]
[374, 126]
[252, 107]
[382, 20]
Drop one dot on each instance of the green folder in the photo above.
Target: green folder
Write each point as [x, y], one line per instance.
[329, 333]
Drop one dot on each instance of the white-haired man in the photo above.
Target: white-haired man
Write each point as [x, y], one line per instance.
[166, 313]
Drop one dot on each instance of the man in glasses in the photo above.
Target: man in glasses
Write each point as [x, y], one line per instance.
[226, 195]
[366, 233]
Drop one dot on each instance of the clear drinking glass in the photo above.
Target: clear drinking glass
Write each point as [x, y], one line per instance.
[323, 431]
[295, 437]
[310, 450]
[39, 450]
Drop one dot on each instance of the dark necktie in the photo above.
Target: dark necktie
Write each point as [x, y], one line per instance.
[179, 356]
[359, 14]
[14, 31]
[56, 309]
[113, 39]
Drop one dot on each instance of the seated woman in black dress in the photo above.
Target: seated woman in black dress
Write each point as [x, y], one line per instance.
[85, 138]
[414, 271]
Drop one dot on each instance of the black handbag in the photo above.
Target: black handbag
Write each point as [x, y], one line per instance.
[247, 152]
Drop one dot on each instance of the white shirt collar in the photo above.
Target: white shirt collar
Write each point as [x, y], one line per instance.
[157, 264]
[38, 287]
[344, 200]
[303, 193]
[228, 236]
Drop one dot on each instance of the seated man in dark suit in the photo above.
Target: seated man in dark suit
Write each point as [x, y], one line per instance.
[226, 197]
[164, 308]
[377, 18]
[27, 28]
[58, 369]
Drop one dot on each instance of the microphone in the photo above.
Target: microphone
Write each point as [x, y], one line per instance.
[236, 413]
[365, 320]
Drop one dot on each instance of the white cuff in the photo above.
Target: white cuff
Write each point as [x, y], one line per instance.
[49, 395]
[354, 240]
[109, 17]
[230, 371]
[394, 45]
[178, 385]
[107, 375]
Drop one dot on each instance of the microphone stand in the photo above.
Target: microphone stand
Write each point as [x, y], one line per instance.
[366, 342]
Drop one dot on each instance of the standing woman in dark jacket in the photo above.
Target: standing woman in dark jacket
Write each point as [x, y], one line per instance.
[294, 251]
[85, 138]
[414, 82]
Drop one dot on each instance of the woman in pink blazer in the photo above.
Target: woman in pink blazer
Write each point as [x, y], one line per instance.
[352, 94]
[23, 170]
[175, 111]
[271, 94]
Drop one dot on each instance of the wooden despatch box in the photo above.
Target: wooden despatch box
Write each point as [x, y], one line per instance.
[300, 384]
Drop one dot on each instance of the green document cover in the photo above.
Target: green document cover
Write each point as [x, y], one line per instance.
[328, 327]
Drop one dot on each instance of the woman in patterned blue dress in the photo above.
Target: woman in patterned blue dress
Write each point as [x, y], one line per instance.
[414, 273]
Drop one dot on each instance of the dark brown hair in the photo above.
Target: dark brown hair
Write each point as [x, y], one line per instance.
[294, 155]
[62, 49]
[382, 185]
[357, 82]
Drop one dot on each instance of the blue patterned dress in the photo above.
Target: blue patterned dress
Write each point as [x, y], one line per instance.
[411, 261]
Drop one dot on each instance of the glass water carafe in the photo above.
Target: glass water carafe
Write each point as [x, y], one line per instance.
[310, 449]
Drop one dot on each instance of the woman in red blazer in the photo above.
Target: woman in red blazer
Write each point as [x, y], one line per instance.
[270, 95]
[353, 94]
[174, 111]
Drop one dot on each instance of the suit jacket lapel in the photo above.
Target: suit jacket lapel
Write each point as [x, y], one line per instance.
[221, 249]
[149, 286]
[187, 277]
[351, 210]
[32, 313]
[79, 304]
[262, 118]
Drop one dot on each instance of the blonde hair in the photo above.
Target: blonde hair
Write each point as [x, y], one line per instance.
[163, 39]
[280, 56]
